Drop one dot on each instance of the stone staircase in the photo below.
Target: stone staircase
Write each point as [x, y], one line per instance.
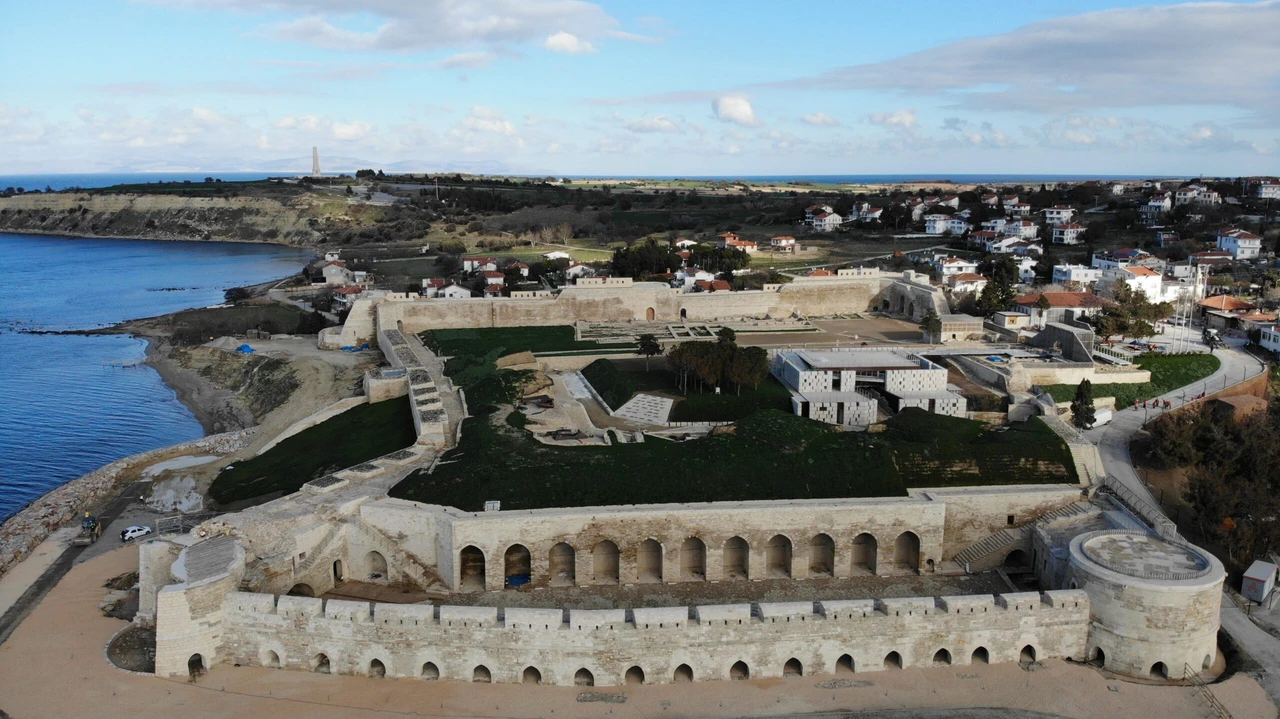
[1084, 455]
[982, 551]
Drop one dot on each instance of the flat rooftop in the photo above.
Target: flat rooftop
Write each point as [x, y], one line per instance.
[863, 361]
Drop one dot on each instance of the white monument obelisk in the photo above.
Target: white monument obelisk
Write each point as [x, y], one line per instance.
[315, 162]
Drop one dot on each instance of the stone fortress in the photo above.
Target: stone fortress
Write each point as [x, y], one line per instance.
[247, 588]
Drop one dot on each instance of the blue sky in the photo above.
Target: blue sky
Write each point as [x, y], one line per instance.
[705, 88]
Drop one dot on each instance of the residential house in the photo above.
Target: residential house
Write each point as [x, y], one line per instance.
[1222, 311]
[453, 291]
[812, 211]
[1212, 257]
[1008, 199]
[996, 225]
[689, 276]
[955, 266]
[930, 200]
[1022, 229]
[872, 214]
[1027, 269]
[1145, 279]
[335, 272]
[783, 243]
[980, 238]
[1076, 274]
[577, 269]
[1058, 215]
[1268, 190]
[493, 278]
[684, 256]
[1002, 245]
[1151, 185]
[730, 241]
[1017, 209]
[347, 295]
[1269, 339]
[1158, 205]
[957, 226]
[431, 286]
[826, 222]
[712, 286]
[819, 272]
[1164, 237]
[1255, 321]
[1068, 234]
[684, 243]
[967, 282]
[494, 290]
[991, 199]
[480, 264]
[950, 201]
[1060, 306]
[1113, 259]
[520, 267]
[936, 224]
[551, 256]
[1241, 244]
[1195, 194]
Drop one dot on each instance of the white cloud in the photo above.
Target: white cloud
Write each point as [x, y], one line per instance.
[821, 119]
[735, 109]
[901, 120]
[357, 130]
[658, 123]
[484, 119]
[568, 43]
[466, 61]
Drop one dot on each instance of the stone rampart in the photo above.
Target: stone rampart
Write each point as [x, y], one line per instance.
[653, 645]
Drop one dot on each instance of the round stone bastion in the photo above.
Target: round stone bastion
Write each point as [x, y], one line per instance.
[1153, 602]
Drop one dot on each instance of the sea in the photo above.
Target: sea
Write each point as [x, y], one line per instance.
[107, 179]
[72, 403]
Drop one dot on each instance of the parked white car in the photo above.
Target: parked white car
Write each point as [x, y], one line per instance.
[133, 533]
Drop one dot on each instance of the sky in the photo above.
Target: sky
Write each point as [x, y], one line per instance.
[569, 87]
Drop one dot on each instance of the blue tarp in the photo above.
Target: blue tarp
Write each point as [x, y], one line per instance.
[352, 348]
[245, 349]
[517, 580]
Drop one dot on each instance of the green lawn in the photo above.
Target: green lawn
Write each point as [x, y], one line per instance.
[771, 455]
[617, 386]
[357, 435]
[1167, 374]
[510, 340]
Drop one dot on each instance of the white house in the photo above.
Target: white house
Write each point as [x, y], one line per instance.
[558, 255]
[1027, 269]
[454, 292]
[1114, 259]
[1061, 306]
[957, 226]
[1002, 245]
[1117, 189]
[480, 264]
[872, 213]
[936, 224]
[1197, 194]
[1151, 185]
[995, 225]
[955, 266]
[1164, 237]
[950, 201]
[1268, 190]
[783, 243]
[1058, 215]
[812, 211]
[1159, 204]
[980, 238]
[336, 273]
[494, 290]
[1068, 234]
[1145, 279]
[1008, 199]
[730, 241]
[1017, 209]
[520, 267]
[690, 276]
[991, 199]
[1241, 244]
[577, 269]
[1078, 274]
[684, 243]
[1270, 339]
[967, 282]
[826, 221]
[1022, 229]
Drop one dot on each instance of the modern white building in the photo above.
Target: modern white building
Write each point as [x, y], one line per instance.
[1068, 234]
[967, 282]
[1241, 244]
[834, 386]
[936, 224]
[995, 225]
[955, 266]
[1058, 215]
[1270, 339]
[1268, 190]
[1079, 274]
[1023, 229]
[1143, 279]
[1113, 259]
[957, 226]
[1017, 209]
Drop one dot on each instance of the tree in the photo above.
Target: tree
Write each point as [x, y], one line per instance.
[932, 326]
[649, 347]
[1082, 414]
[350, 192]
[1000, 291]
[726, 335]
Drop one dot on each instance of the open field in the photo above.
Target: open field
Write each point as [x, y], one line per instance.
[768, 455]
[1167, 374]
[359, 434]
[618, 381]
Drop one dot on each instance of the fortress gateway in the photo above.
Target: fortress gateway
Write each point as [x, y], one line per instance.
[246, 588]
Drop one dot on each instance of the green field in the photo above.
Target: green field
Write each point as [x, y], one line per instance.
[357, 435]
[771, 455]
[617, 386]
[1167, 374]
[510, 340]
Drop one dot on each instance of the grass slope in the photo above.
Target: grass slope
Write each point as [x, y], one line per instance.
[771, 455]
[1167, 374]
[617, 386]
[510, 340]
[357, 435]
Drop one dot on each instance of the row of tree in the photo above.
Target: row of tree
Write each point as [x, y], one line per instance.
[652, 258]
[711, 364]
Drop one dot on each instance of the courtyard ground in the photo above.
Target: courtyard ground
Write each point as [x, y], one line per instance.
[53, 666]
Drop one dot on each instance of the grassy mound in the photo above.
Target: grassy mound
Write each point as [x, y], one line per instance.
[510, 340]
[771, 455]
[191, 327]
[357, 435]
[1167, 374]
[617, 386]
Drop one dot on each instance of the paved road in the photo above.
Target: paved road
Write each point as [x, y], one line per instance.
[61, 565]
[1259, 645]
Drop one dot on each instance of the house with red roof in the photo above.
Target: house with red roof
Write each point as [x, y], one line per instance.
[1044, 307]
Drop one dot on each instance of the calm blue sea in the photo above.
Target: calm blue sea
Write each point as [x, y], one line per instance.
[73, 403]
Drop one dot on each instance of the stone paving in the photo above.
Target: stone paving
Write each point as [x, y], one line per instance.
[1140, 555]
[646, 409]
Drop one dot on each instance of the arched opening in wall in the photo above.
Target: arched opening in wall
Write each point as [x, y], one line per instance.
[739, 670]
[928, 566]
[531, 675]
[338, 575]
[471, 567]
[320, 664]
[481, 675]
[684, 314]
[911, 310]
[902, 305]
[301, 590]
[893, 660]
[634, 676]
[683, 673]
[1206, 665]
[693, 560]
[777, 557]
[562, 563]
[942, 658]
[430, 672]
[649, 314]
[584, 678]
[864, 553]
[272, 660]
[793, 668]
[1159, 671]
[844, 664]
[1027, 655]
[980, 656]
[377, 565]
[377, 669]
[884, 304]
[516, 566]
[1017, 559]
[737, 559]
[649, 561]
[604, 563]
[822, 556]
[906, 551]
[195, 666]
[1099, 657]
